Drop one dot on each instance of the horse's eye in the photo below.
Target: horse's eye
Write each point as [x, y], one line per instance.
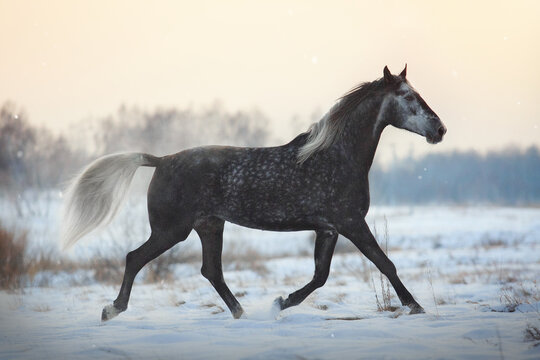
[409, 98]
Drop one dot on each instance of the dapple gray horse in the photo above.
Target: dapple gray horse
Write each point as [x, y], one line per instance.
[318, 181]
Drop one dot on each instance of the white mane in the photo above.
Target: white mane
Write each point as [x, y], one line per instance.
[325, 132]
[322, 134]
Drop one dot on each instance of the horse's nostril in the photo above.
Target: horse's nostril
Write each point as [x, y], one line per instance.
[442, 131]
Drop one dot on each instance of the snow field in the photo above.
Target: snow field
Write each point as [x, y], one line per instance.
[468, 266]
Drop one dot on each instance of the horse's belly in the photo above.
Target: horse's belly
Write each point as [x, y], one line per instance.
[275, 218]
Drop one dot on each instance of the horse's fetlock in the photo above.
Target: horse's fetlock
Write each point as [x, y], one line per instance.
[121, 306]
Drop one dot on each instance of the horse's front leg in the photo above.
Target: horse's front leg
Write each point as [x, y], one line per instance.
[363, 239]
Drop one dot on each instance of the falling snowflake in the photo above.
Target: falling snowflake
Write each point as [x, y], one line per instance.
[314, 60]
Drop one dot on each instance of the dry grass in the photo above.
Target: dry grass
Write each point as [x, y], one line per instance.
[12, 254]
[48, 261]
[338, 298]
[384, 301]
[360, 270]
[216, 308]
[513, 296]
[532, 334]
[487, 274]
[161, 268]
[240, 257]
[430, 281]
[20, 266]
[42, 308]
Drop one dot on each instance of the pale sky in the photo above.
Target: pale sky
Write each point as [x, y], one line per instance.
[477, 64]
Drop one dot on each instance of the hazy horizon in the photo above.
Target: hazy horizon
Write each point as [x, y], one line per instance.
[475, 63]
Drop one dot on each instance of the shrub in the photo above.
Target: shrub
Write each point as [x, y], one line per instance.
[12, 265]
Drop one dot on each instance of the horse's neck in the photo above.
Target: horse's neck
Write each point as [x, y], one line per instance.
[361, 137]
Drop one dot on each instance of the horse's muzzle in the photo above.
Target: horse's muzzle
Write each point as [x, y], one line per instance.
[437, 135]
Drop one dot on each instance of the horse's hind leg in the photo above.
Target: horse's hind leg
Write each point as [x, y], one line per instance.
[325, 244]
[210, 231]
[156, 245]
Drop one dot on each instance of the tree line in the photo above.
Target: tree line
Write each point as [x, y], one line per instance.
[32, 157]
[509, 177]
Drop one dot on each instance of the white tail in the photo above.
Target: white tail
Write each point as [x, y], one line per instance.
[95, 195]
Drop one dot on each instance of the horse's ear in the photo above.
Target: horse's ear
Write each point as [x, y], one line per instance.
[404, 72]
[388, 77]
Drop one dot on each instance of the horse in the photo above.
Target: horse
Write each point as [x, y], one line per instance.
[318, 182]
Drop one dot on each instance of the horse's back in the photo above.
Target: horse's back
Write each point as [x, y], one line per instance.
[241, 185]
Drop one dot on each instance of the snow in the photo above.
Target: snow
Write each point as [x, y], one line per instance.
[463, 264]
[155, 326]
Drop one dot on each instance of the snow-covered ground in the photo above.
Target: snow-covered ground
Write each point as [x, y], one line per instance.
[468, 266]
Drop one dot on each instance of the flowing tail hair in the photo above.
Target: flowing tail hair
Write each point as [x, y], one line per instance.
[95, 195]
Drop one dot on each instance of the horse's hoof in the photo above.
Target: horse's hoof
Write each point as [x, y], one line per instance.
[238, 314]
[279, 303]
[416, 309]
[109, 312]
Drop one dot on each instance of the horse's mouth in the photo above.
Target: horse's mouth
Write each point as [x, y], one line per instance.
[437, 136]
[434, 139]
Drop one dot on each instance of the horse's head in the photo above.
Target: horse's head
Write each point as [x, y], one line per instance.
[404, 108]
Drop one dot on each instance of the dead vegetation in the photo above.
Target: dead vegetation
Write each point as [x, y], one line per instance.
[532, 334]
[486, 274]
[430, 281]
[21, 266]
[42, 308]
[512, 296]
[384, 299]
[12, 253]
[238, 257]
